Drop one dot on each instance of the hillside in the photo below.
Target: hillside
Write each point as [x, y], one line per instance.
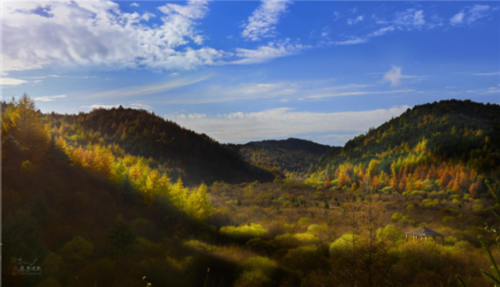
[452, 129]
[455, 142]
[87, 216]
[195, 157]
[292, 155]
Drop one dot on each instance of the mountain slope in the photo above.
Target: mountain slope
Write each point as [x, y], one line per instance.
[89, 217]
[194, 156]
[460, 131]
[294, 155]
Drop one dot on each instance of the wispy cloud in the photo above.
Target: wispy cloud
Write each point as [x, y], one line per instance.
[240, 92]
[410, 18]
[11, 81]
[268, 52]
[148, 89]
[134, 5]
[469, 15]
[488, 91]
[283, 122]
[262, 22]
[365, 38]
[352, 21]
[49, 98]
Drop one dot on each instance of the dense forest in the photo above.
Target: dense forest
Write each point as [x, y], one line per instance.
[122, 197]
[196, 158]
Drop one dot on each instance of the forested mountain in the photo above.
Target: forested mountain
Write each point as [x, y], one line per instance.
[181, 152]
[292, 155]
[454, 142]
[451, 129]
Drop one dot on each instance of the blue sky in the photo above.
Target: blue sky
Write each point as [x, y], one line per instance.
[251, 70]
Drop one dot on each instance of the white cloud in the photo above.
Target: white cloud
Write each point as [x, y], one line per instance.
[49, 98]
[266, 53]
[262, 22]
[410, 18]
[492, 90]
[469, 15]
[355, 20]
[98, 33]
[134, 5]
[394, 75]
[381, 31]
[457, 19]
[146, 16]
[148, 89]
[282, 123]
[11, 81]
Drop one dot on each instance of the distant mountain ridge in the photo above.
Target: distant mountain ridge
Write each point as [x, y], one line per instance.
[292, 154]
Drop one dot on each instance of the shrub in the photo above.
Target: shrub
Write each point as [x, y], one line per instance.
[344, 243]
[252, 230]
[306, 237]
[390, 233]
[396, 216]
[315, 228]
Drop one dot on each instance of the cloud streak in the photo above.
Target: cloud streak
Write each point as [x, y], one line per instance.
[148, 89]
[262, 23]
[49, 98]
[11, 81]
[268, 52]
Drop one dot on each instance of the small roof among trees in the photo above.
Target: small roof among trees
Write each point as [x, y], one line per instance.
[424, 232]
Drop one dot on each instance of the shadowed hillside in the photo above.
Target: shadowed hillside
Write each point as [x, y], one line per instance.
[195, 157]
[292, 155]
